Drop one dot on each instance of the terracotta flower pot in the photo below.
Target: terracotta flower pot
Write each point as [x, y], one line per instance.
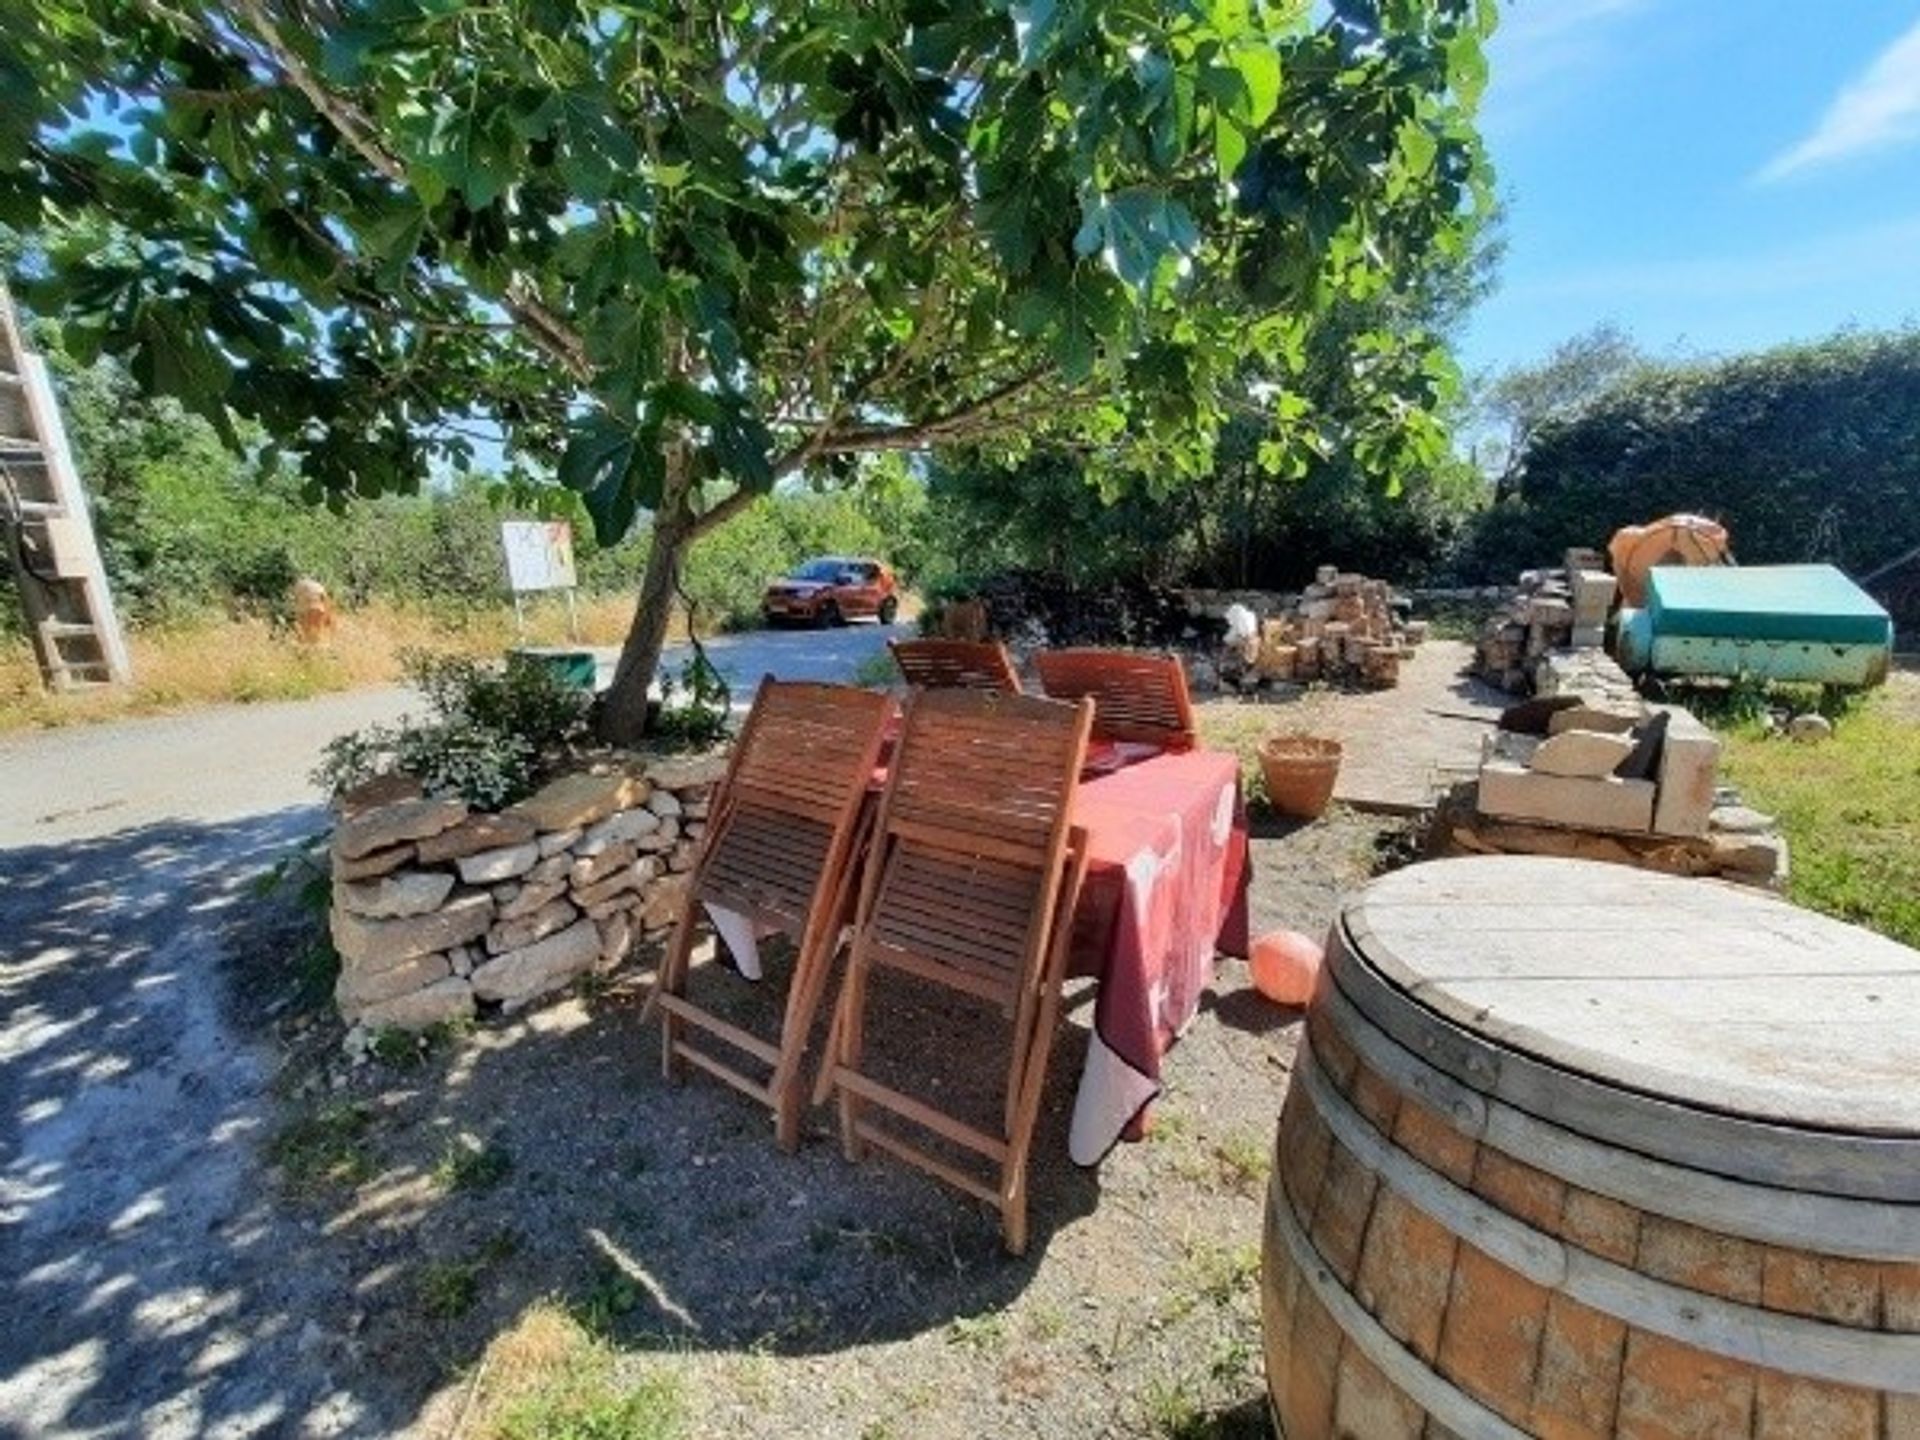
[1300, 771]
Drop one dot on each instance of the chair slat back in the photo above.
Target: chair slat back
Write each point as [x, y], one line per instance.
[1136, 697]
[986, 773]
[970, 886]
[799, 771]
[956, 665]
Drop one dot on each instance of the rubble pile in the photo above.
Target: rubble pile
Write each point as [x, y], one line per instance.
[1344, 629]
[1036, 608]
[1589, 771]
[1555, 609]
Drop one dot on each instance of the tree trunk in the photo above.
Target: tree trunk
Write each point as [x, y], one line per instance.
[623, 711]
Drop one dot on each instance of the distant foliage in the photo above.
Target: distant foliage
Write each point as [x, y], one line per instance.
[1804, 452]
[188, 529]
[489, 733]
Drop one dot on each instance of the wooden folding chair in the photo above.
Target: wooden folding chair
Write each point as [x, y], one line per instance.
[970, 884]
[1140, 698]
[782, 848]
[956, 665]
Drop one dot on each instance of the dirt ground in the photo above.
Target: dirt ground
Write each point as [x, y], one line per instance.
[547, 1161]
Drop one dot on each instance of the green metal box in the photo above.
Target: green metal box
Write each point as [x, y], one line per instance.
[1773, 622]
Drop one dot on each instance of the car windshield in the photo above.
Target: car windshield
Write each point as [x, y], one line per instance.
[819, 570]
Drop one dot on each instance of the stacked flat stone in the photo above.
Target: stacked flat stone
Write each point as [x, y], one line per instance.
[1342, 630]
[1559, 609]
[1613, 779]
[439, 910]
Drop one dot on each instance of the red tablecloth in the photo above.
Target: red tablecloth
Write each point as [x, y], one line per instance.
[1165, 890]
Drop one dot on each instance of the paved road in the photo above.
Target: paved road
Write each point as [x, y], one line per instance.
[240, 760]
[144, 1262]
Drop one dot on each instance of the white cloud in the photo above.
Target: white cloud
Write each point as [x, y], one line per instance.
[1541, 46]
[1877, 109]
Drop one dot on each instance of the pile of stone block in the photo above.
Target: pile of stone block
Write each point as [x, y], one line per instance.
[1557, 609]
[1591, 771]
[439, 910]
[1344, 629]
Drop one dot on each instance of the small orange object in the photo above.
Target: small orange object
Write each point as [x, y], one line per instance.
[1285, 966]
[312, 612]
[1672, 540]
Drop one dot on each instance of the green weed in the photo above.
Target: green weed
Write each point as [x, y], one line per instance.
[469, 1163]
[327, 1145]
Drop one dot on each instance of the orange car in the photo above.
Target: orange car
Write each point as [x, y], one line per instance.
[831, 591]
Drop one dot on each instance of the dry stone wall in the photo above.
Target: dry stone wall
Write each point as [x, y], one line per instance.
[440, 911]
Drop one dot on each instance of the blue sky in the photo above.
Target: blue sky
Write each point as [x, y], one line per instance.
[1712, 175]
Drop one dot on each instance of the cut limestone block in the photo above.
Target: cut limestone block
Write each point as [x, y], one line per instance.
[1616, 717]
[1689, 764]
[386, 825]
[393, 897]
[490, 867]
[1592, 597]
[1588, 637]
[475, 834]
[440, 1003]
[519, 975]
[1587, 804]
[579, 800]
[387, 942]
[1581, 753]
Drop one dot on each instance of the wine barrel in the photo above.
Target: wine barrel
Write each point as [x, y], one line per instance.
[1577, 1150]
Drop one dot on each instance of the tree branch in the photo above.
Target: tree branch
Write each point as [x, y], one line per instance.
[976, 418]
[520, 300]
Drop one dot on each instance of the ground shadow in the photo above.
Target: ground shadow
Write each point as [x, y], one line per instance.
[146, 1283]
[214, 1220]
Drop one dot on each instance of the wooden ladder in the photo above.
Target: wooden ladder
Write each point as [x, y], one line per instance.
[46, 530]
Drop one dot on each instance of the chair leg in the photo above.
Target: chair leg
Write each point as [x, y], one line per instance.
[850, 1022]
[672, 980]
[1013, 1219]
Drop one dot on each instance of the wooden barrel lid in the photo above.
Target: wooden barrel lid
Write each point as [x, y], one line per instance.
[1709, 1024]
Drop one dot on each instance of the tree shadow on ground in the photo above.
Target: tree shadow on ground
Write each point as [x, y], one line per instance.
[543, 1156]
[145, 1267]
[662, 1214]
[215, 1221]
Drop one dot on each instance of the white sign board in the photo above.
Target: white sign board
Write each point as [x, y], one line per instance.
[539, 554]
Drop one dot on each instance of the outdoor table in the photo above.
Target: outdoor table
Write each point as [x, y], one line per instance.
[1165, 890]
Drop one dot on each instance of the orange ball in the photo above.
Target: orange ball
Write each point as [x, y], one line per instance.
[1285, 966]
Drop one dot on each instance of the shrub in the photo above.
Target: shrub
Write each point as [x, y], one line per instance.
[491, 734]
[1802, 451]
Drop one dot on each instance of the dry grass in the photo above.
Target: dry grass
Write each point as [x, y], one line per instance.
[547, 1376]
[246, 661]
